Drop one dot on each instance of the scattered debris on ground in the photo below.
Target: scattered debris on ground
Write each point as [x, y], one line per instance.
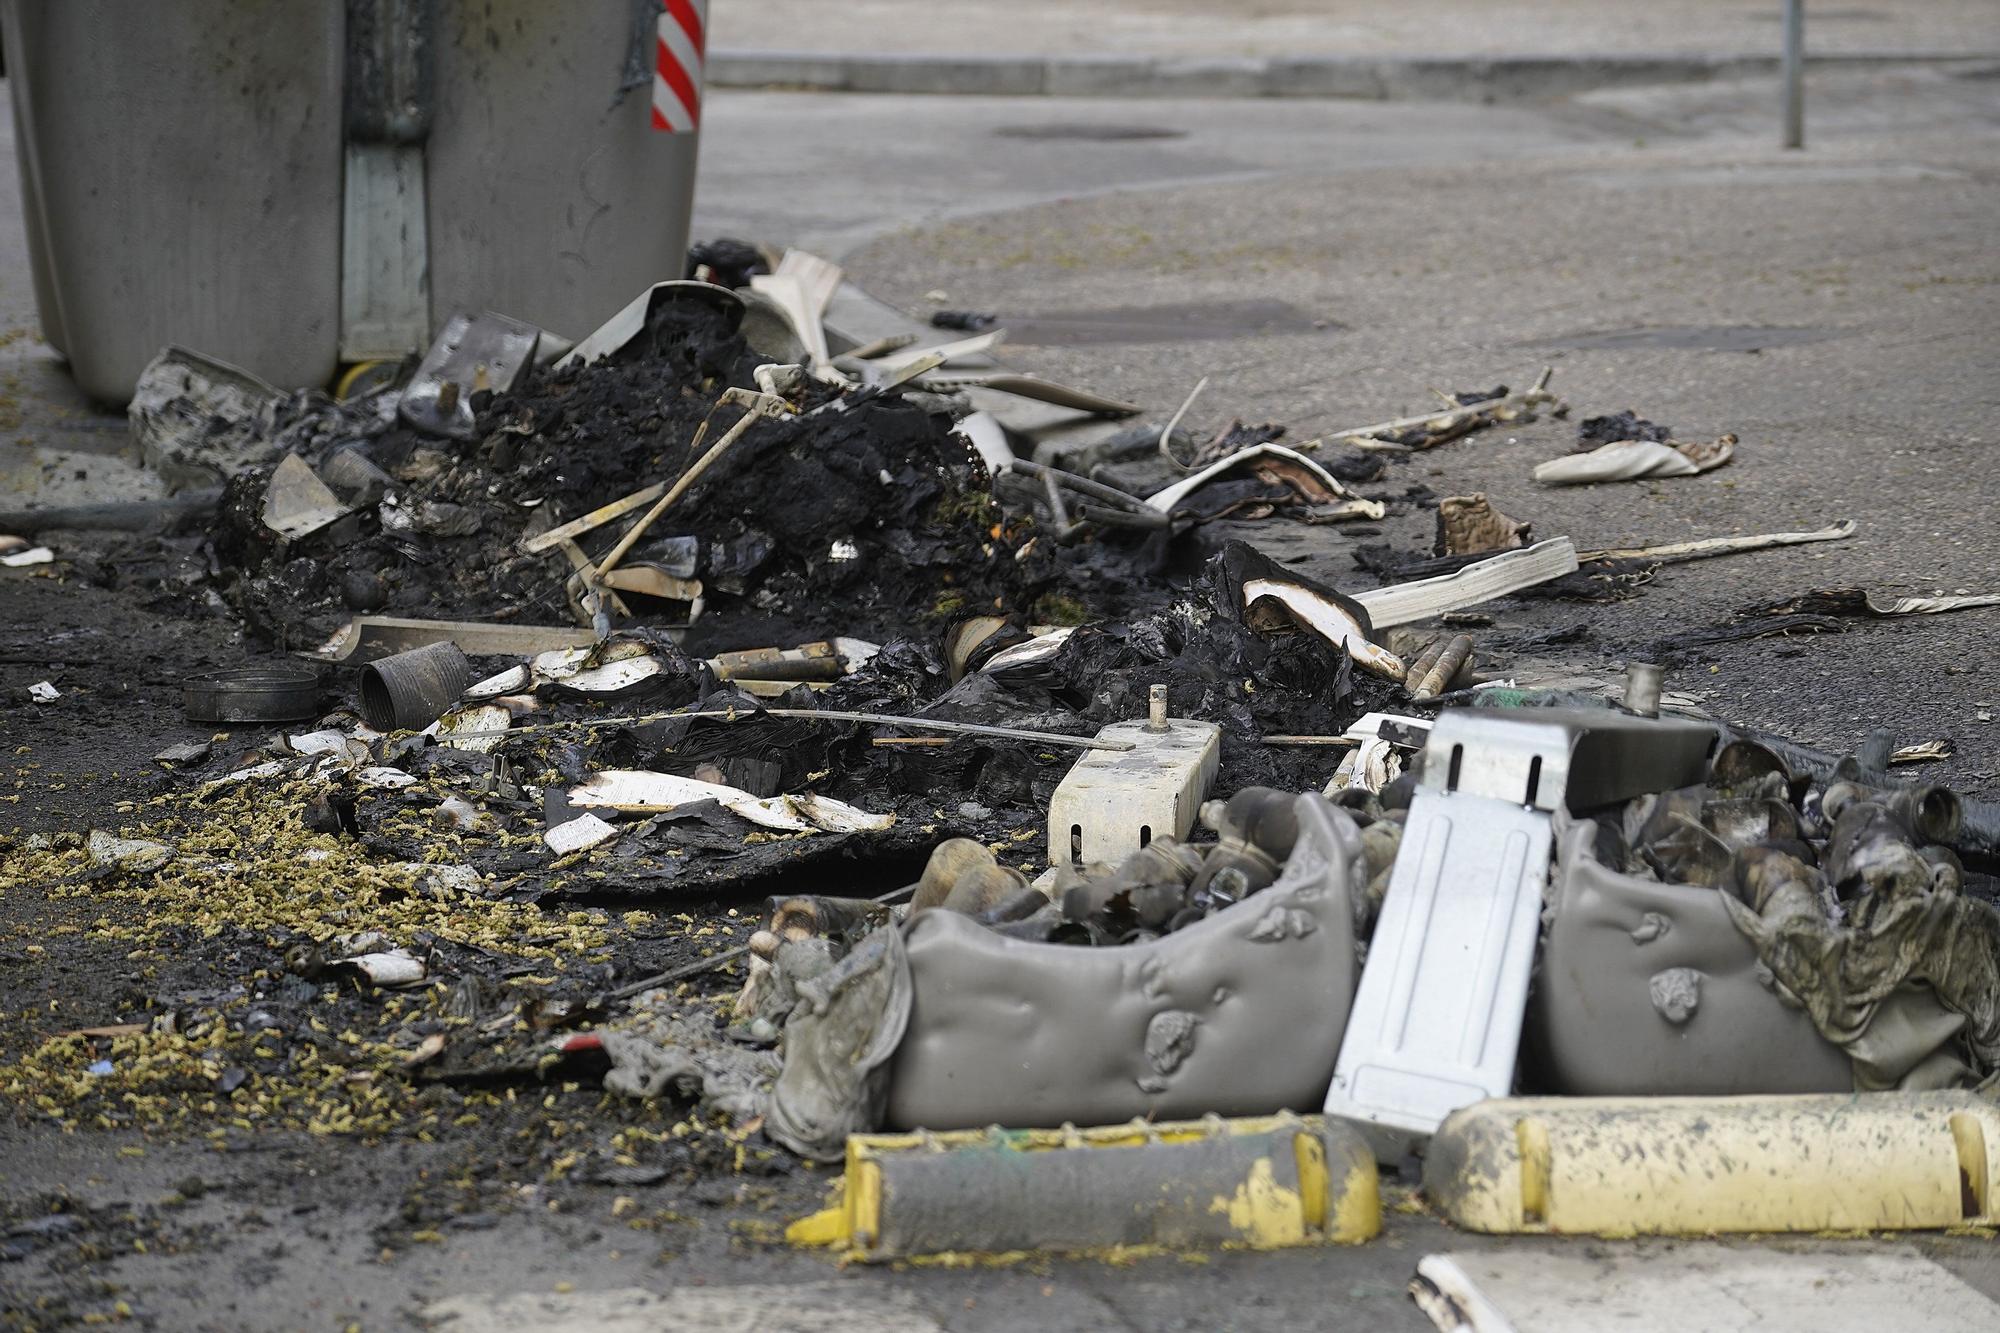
[752, 731]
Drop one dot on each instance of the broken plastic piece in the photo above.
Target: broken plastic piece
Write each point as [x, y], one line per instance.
[297, 502]
[1110, 805]
[801, 288]
[134, 855]
[1594, 1027]
[1858, 602]
[199, 421]
[1923, 752]
[1370, 766]
[1328, 618]
[875, 347]
[579, 834]
[348, 472]
[620, 329]
[477, 729]
[1028, 386]
[366, 638]
[511, 681]
[1166, 500]
[1237, 1014]
[390, 969]
[1708, 546]
[596, 518]
[649, 580]
[1482, 581]
[977, 345]
[989, 439]
[639, 791]
[186, 752]
[612, 669]
[1029, 652]
[1629, 460]
[330, 741]
[471, 353]
[1424, 432]
[818, 278]
[1437, 1017]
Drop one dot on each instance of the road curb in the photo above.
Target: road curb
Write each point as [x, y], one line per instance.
[1371, 78]
[1259, 1183]
[1676, 1166]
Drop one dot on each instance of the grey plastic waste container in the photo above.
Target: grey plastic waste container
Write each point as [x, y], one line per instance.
[181, 170]
[184, 170]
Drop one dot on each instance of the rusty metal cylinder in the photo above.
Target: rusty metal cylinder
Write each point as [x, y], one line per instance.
[409, 691]
[1642, 688]
[1933, 814]
[1446, 658]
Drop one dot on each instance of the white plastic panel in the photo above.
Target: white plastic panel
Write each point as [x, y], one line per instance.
[1436, 1023]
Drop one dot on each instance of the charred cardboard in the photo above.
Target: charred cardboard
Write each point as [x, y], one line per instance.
[1240, 1014]
[365, 638]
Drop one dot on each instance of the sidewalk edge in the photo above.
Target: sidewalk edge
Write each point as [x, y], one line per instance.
[1375, 78]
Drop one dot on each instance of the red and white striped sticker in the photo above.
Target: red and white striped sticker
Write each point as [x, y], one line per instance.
[677, 75]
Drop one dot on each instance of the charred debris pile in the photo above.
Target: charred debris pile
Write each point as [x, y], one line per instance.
[709, 716]
[854, 525]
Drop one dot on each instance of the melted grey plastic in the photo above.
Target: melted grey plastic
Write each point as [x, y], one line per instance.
[1239, 1014]
[1615, 1011]
[841, 1032]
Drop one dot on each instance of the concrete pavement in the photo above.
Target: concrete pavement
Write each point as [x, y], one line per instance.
[1861, 271]
[872, 164]
[1444, 49]
[1338, 27]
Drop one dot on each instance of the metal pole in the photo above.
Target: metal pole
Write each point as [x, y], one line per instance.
[1794, 73]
